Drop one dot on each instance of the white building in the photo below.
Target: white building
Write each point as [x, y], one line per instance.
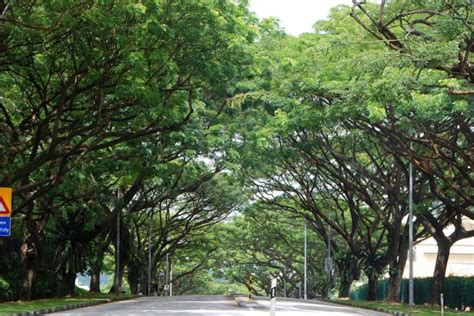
[461, 257]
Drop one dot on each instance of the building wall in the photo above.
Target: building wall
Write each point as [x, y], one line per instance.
[461, 258]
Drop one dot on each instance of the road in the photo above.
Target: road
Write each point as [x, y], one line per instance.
[215, 306]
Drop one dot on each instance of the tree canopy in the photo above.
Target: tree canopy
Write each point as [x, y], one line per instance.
[206, 139]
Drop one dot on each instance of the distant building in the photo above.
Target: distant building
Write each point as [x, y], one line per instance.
[461, 258]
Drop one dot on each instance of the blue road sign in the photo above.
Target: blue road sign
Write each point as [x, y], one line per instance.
[5, 226]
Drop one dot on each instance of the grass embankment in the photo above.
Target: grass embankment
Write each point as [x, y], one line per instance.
[417, 310]
[30, 306]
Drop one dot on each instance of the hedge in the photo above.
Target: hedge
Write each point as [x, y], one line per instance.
[458, 291]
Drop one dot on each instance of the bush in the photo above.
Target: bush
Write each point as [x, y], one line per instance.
[6, 292]
[457, 291]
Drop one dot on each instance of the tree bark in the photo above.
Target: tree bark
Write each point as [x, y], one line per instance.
[372, 287]
[28, 260]
[103, 242]
[134, 278]
[345, 287]
[349, 271]
[394, 285]
[94, 285]
[439, 274]
[124, 247]
[68, 284]
[396, 274]
[27, 285]
[117, 285]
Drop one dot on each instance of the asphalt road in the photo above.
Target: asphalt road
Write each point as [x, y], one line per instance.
[215, 306]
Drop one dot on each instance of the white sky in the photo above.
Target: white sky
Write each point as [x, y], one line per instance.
[296, 16]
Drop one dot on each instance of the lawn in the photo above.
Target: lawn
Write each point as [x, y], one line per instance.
[418, 310]
[29, 306]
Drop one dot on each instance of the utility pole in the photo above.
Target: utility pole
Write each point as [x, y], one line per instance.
[329, 263]
[117, 250]
[305, 263]
[171, 278]
[149, 252]
[411, 300]
[167, 277]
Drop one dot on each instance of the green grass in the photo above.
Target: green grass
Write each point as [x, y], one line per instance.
[29, 306]
[418, 310]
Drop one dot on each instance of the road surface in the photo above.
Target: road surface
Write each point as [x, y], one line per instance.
[215, 306]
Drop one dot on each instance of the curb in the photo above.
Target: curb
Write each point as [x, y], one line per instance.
[376, 309]
[70, 307]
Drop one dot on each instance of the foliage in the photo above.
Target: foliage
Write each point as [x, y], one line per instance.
[163, 118]
[456, 291]
[268, 244]
[418, 310]
[21, 306]
[98, 97]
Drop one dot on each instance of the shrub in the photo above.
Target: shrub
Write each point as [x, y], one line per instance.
[457, 291]
[6, 292]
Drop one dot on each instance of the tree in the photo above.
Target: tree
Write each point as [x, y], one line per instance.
[268, 243]
[81, 78]
[436, 108]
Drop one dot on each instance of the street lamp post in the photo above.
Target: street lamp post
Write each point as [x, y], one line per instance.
[411, 300]
[305, 263]
[329, 263]
[171, 278]
[117, 250]
[149, 253]
[167, 276]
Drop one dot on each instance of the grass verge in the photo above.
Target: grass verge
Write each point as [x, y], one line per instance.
[30, 306]
[417, 310]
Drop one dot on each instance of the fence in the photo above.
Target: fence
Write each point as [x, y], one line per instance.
[458, 291]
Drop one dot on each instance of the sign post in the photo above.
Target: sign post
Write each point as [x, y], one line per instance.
[5, 211]
[273, 297]
[442, 304]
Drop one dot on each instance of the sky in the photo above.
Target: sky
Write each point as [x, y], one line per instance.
[296, 16]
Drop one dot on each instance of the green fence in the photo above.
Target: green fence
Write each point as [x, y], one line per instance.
[458, 291]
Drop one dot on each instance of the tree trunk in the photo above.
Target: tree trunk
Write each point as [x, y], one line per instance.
[103, 241]
[68, 284]
[394, 286]
[28, 260]
[372, 287]
[117, 285]
[123, 248]
[27, 285]
[345, 285]
[94, 286]
[439, 274]
[134, 278]
[396, 274]
[349, 271]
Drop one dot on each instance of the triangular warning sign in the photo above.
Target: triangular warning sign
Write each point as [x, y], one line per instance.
[4, 210]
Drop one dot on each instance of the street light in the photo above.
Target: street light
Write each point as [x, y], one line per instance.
[149, 252]
[305, 262]
[169, 275]
[411, 300]
[328, 264]
[117, 250]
